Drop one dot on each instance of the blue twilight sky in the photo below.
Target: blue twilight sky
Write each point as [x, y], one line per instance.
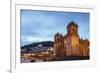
[42, 25]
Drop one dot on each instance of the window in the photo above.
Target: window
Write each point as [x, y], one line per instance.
[65, 41]
[59, 43]
[73, 30]
[76, 45]
[68, 43]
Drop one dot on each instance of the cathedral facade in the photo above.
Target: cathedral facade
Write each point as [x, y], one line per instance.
[71, 44]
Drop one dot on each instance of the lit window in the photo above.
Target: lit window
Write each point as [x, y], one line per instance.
[59, 43]
[65, 41]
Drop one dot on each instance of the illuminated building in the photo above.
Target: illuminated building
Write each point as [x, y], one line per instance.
[71, 44]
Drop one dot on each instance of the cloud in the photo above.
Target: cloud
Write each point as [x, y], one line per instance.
[42, 25]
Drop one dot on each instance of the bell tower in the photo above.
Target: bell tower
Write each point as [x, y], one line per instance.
[72, 28]
[73, 38]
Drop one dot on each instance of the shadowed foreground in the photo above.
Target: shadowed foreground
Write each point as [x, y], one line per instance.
[72, 58]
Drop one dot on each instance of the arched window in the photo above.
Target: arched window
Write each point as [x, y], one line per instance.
[73, 30]
[65, 41]
[59, 43]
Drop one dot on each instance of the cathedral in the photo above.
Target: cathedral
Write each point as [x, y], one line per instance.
[71, 44]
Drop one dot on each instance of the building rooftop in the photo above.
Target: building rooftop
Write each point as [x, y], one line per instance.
[72, 23]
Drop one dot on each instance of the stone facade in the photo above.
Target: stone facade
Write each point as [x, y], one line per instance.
[71, 44]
